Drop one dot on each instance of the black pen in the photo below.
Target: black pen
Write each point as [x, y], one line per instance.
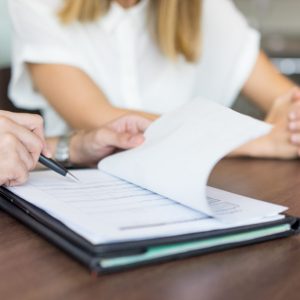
[56, 167]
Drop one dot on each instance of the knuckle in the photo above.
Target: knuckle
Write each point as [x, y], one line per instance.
[38, 120]
[22, 175]
[9, 140]
[33, 160]
[29, 161]
[4, 122]
[98, 137]
[34, 145]
[123, 141]
[102, 135]
[13, 159]
[38, 146]
[12, 173]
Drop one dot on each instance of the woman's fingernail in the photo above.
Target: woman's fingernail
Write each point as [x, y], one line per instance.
[294, 138]
[136, 140]
[47, 153]
[292, 115]
[292, 126]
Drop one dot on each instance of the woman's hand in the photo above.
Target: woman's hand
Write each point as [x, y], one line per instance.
[294, 120]
[88, 147]
[286, 106]
[276, 144]
[286, 112]
[21, 143]
[283, 141]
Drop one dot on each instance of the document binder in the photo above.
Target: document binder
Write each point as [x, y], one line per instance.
[107, 258]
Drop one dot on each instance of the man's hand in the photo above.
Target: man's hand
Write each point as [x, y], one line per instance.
[21, 143]
[87, 148]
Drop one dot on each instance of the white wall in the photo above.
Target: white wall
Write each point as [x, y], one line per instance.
[5, 46]
[273, 16]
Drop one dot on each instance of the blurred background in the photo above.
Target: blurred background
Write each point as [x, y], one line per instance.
[279, 24]
[277, 20]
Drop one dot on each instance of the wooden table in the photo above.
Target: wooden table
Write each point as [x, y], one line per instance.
[31, 268]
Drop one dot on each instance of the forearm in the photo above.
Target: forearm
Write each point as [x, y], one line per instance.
[75, 96]
[259, 147]
[150, 116]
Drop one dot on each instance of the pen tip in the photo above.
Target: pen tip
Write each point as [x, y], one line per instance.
[72, 177]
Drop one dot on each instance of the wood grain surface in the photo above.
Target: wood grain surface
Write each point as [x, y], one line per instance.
[31, 268]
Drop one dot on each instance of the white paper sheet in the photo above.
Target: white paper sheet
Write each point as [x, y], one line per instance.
[181, 148]
[103, 208]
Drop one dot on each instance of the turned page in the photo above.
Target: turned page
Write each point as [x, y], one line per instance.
[180, 150]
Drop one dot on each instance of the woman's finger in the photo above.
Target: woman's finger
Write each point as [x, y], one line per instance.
[296, 94]
[124, 140]
[294, 113]
[133, 124]
[141, 123]
[295, 139]
[294, 126]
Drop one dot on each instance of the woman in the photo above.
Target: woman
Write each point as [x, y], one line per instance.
[87, 62]
[22, 141]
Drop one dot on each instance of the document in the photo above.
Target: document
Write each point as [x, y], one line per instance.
[158, 189]
[103, 208]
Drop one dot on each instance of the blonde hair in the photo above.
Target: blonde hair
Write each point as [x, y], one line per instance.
[177, 23]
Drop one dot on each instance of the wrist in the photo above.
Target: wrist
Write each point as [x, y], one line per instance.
[262, 147]
[76, 145]
[64, 152]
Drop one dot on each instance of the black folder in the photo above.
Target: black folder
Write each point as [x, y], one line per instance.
[112, 257]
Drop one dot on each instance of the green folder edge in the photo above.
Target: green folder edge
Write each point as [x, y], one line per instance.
[156, 252]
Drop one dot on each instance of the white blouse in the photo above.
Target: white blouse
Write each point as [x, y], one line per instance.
[119, 55]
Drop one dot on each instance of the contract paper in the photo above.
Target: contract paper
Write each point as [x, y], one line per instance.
[105, 209]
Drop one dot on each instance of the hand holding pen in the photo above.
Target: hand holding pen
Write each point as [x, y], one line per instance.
[21, 143]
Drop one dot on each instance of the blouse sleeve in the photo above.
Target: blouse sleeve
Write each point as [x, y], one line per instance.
[230, 50]
[38, 37]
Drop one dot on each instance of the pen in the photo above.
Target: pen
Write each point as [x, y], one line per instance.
[56, 167]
